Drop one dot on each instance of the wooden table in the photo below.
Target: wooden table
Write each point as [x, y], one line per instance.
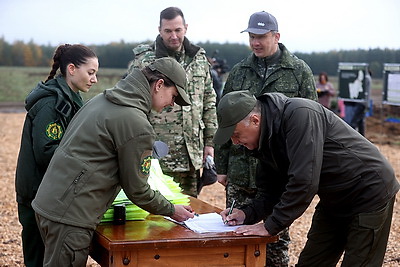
[160, 242]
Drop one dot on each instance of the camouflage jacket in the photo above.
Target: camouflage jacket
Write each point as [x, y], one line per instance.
[290, 76]
[186, 129]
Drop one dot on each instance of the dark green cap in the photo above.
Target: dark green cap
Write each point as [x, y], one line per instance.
[175, 72]
[232, 108]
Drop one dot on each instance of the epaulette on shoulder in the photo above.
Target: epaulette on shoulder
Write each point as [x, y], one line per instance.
[142, 48]
[64, 108]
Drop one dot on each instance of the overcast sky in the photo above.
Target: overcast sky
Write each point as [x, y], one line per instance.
[305, 25]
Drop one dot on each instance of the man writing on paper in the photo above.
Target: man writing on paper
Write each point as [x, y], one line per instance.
[306, 150]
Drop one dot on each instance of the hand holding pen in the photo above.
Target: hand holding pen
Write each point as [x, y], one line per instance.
[230, 211]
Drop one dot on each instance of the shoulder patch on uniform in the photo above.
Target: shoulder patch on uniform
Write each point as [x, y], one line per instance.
[54, 131]
[145, 162]
[141, 49]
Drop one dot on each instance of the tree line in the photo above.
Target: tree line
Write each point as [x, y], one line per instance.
[118, 55]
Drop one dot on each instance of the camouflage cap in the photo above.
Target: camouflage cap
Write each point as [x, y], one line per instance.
[232, 108]
[175, 72]
[261, 23]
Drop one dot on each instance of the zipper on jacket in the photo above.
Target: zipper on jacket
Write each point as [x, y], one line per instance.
[77, 179]
[72, 185]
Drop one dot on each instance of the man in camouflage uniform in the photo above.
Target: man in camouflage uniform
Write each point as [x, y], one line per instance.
[269, 68]
[188, 130]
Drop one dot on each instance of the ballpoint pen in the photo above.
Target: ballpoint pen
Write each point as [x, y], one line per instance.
[230, 211]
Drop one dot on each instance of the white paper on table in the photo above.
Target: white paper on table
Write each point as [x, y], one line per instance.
[207, 223]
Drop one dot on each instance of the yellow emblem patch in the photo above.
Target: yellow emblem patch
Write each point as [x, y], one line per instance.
[146, 164]
[54, 131]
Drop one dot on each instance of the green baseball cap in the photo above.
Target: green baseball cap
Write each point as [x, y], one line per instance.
[232, 108]
[175, 72]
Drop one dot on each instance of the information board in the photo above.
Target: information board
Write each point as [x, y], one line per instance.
[391, 84]
[352, 81]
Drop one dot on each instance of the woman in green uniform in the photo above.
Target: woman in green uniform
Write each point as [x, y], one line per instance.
[50, 106]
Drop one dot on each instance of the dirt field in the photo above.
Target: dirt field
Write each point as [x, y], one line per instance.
[385, 135]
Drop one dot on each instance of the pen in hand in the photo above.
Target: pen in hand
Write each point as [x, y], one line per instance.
[230, 211]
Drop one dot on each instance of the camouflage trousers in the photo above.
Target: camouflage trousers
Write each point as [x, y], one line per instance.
[277, 253]
[187, 180]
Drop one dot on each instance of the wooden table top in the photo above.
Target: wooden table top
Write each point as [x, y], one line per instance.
[158, 232]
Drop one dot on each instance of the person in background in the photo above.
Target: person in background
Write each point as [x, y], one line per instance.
[306, 150]
[325, 90]
[108, 146]
[50, 106]
[188, 131]
[216, 78]
[269, 68]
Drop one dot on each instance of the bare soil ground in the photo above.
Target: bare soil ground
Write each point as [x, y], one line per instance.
[384, 134]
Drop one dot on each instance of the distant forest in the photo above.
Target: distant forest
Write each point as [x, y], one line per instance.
[118, 55]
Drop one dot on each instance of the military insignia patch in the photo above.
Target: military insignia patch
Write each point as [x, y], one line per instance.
[54, 131]
[145, 165]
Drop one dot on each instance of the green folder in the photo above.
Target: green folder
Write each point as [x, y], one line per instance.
[158, 181]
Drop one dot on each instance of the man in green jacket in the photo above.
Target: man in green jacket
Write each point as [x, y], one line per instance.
[107, 146]
[269, 68]
[188, 131]
[307, 150]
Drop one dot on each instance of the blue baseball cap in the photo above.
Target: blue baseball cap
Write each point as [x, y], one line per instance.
[261, 23]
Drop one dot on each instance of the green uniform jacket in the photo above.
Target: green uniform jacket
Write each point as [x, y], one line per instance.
[306, 149]
[290, 76]
[186, 130]
[50, 108]
[108, 145]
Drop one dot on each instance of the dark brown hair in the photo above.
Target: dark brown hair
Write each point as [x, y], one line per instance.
[323, 74]
[171, 13]
[65, 54]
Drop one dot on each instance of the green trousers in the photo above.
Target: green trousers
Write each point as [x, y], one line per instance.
[363, 239]
[65, 245]
[32, 244]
